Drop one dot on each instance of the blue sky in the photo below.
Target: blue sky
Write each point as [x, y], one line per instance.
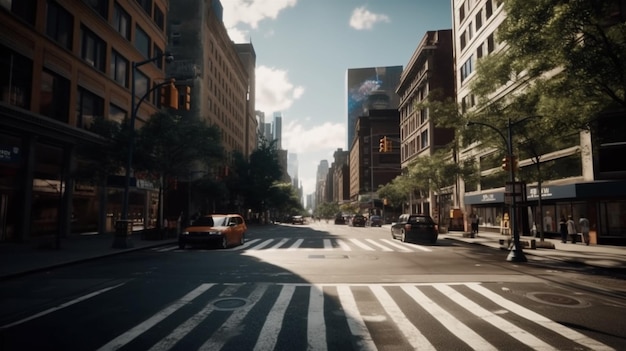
[304, 49]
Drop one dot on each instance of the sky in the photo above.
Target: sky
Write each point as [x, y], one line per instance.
[303, 51]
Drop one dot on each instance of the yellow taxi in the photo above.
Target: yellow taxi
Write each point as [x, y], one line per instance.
[222, 229]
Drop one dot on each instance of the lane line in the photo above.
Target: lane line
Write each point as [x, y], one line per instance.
[182, 330]
[140, 328]
[246, 245]
[355, 320]
[61, 306]
[295, 245]
[273, 321]
[541, 320]
[262, 245]
[509, 328]
[316, 323]
[277, 245]
[343, 245]
[328, 245]
[361, 245]
[448, 321]
[417, 340]
[385, 248]
[395, 244]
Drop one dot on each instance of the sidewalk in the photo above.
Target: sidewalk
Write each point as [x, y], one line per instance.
[600, 256]
[21, 258]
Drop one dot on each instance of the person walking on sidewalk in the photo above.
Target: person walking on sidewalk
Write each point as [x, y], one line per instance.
[571, 229]
[563, 230]
[584, 228]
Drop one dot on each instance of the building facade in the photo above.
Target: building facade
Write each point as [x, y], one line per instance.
[64, 63]
[582, 181]
[429, 75]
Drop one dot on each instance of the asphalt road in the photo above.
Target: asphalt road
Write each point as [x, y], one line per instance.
[317, 286]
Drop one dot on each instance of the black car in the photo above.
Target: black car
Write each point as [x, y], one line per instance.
[340, 220]
[415, 228]
[358, 221]
[297, 220]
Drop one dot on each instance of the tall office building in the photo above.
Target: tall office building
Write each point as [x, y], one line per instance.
[370, 88]
[277, 129]
[292, 169]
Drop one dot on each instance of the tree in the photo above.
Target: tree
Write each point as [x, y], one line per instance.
[327, 210]
[569, 54]
[284, 199]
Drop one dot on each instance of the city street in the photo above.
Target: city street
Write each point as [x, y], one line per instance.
[316, 286]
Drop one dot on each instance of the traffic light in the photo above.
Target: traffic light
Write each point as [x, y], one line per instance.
[510, 161]
[383, 144]
[169, 96]
[388, 145]
[505, 163]
[187, 98]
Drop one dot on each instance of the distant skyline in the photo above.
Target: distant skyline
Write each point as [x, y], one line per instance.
[304, 49]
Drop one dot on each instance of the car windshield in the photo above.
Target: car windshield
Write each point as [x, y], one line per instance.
[209, 221]
[420, 219]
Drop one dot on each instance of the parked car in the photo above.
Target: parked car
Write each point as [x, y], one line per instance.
[222, 229]
[340, 220]
[358, 221]
[297, 220]
[375, 221]
[415, 228]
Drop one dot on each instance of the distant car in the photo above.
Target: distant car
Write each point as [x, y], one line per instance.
[297, 220]
[222, 229]
[375, 221]
[419, 228]
[358, 221]
[340, 220]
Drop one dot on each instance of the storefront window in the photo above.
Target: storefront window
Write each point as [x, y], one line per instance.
[613, 219]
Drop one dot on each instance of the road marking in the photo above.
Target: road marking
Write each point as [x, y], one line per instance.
[448, 321]
[541, 320]
[385, 248]
[493, 319]
[402, 247]
[343, 245]
[295, 245]
[328, 245]
[273, 322]
[316, 323]
[247, 244]
[233, 323]
[61, 306]
[182, 330]
[262, 245]
[412, 334]
[355, 319]
[361, 245]
[141, 328]
[279, 244]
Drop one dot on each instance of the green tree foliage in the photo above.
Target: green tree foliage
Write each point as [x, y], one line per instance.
[170, 146]
[105, 157]
[284, 199]
[327, 210]
[397, 191]
[350, 208]
[571, 54]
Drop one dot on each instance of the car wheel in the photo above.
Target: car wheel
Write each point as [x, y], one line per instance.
[242, 239]
[403, 236]
[224, 243]
[393, 236]
[181, 245]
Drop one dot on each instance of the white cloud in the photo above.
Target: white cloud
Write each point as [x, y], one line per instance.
[364, 19]
[274, 91]
[250, 13]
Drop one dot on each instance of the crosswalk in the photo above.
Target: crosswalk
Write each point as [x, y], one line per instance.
[264, 316]
[325, 244]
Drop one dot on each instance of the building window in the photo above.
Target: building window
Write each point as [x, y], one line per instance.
[59, 25]
[479, 20]
[479, 51]
[121, 21]
[159, 18]
[88, 107]
[467, 68]
[470, 31]
[16, 75]
[116, 114]
[424, 139]
[119, 68]
[53, 101]
[141, 84]
[142, 42]
[146, 5]
[24, 9]
[101, 6]
[462, 12]
[93, 49]
[463, 40]
[157, 52]
[488, 9]
[490, 44]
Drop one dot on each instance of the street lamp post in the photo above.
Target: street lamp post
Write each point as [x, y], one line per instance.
[516, 254]
[123, 227]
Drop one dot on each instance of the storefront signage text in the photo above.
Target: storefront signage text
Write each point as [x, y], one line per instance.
[533, 193]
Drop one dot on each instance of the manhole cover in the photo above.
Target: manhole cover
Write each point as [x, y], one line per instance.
[555, 299]
[229, 303]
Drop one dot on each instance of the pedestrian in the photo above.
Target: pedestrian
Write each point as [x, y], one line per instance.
[584, 228]
[563, 230]
[474, 220]
[571, 229]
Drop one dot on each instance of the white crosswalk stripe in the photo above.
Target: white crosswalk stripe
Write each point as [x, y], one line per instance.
[358, 313]
[325, 244]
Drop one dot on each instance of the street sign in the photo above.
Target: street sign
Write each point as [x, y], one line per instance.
[515, 190]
